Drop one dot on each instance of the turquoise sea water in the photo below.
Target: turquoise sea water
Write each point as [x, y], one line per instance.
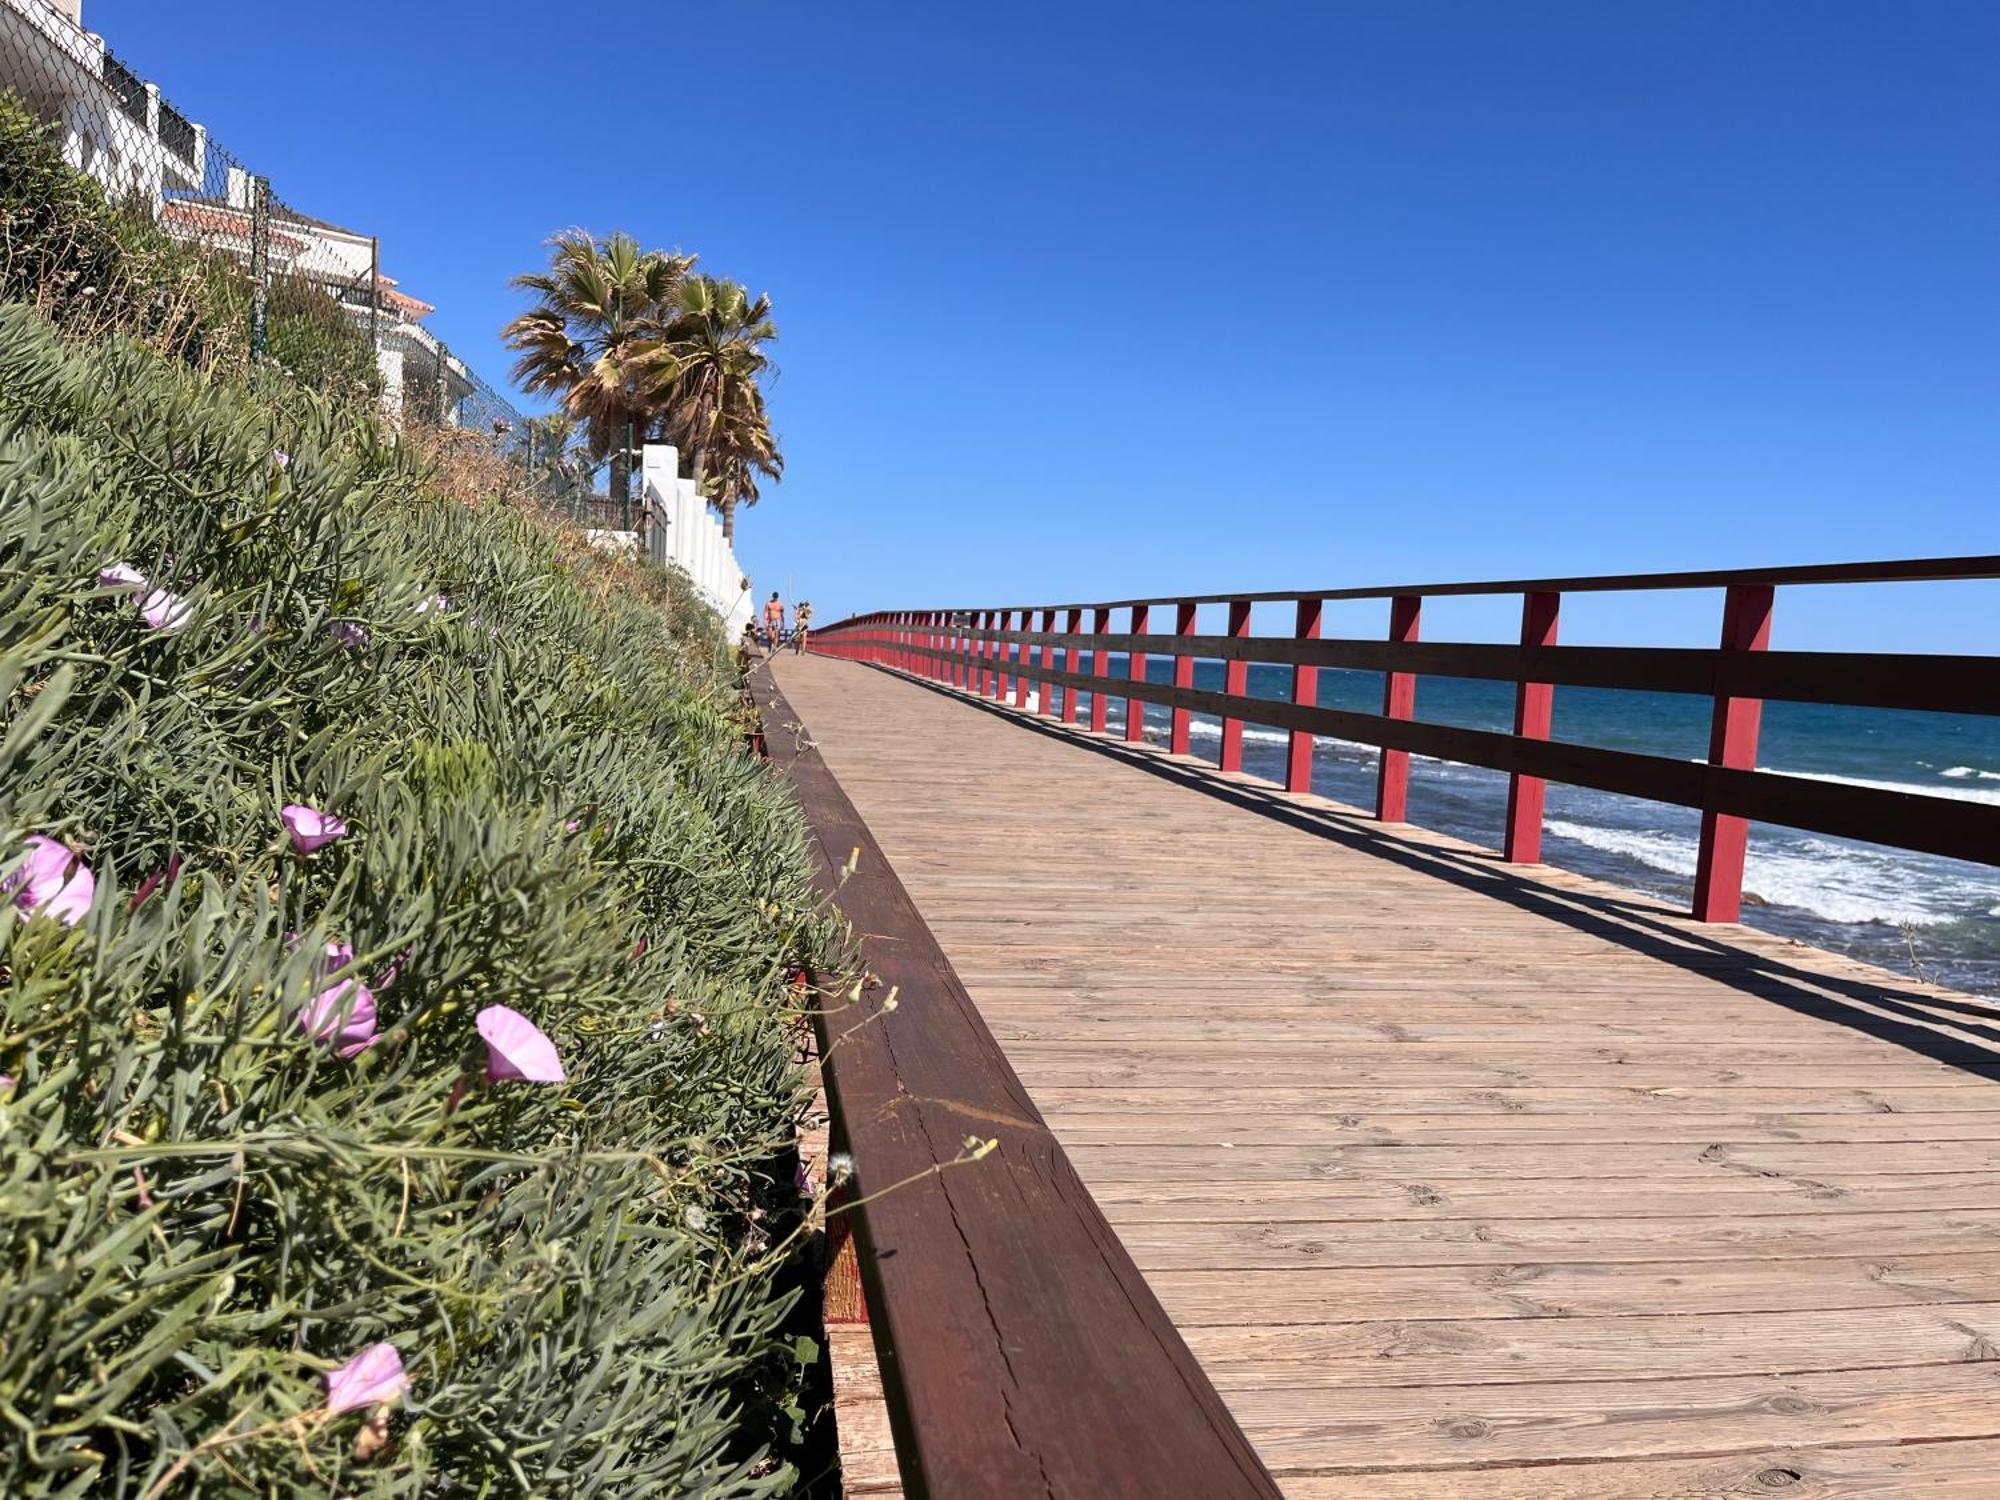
[1907, 912]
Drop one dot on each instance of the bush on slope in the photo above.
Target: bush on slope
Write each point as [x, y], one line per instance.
[202, 1209]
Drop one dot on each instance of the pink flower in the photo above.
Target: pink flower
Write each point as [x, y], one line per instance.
[516, 1048]
[374, 1377]
[165, 611]
[348, 634]
[572, 825]
[338, 957]
[54, 877]
[342, 1016]
[119, 578]
[310, 828]
[155, 880]
[284, 461]
[436, 602]
[6, 1083]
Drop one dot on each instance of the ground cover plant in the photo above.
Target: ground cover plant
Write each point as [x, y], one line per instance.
[393, 948]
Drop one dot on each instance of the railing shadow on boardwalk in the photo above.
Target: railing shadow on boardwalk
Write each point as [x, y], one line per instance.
[1898, 1015]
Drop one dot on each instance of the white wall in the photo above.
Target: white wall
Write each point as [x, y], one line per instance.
[685, 532]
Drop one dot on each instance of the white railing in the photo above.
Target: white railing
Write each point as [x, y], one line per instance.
[683, 530]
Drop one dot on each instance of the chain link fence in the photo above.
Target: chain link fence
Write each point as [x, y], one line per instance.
[155, 228]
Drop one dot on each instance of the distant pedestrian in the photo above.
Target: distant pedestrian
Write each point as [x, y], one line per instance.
[801, 624]
[774, 619]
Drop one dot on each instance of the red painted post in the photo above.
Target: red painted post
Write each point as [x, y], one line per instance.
[1177, 735]
[986, 649]
[1399, 701]
[1534, 711]
[1135, 709]
[1003, 652]
[1305, 689]
[1070, 664]
[1236, 683]
[1023, 659]
[1045, 702]
[1100, 667]
[1732, 742]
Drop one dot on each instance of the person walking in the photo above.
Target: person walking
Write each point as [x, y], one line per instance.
[774, 620]
[801, 623]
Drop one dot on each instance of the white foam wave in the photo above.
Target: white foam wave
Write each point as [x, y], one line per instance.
[1836, 882]
[1970, 773]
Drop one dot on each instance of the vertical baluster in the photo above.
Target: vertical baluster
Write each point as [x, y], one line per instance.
[1177, 733]
[1070, 664]
[1004, 654]
[1305, 689]
[1236, 683]
[1024, 660]
[1135, 709]
[1534, 712]
[1399, 701]
[1100, 668]
[1732, 742]
[986, 650]
[1045, 705]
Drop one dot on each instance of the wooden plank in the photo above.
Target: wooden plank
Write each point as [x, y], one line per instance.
[1022, 1351]
[1959, 1470]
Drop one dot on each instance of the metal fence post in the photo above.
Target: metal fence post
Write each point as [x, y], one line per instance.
[260, 266]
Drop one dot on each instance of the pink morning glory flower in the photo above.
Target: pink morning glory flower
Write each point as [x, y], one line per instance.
[119, 578]
[516, 1048]
[338, 957]
[374, 1377]
[165, 611]
[55, 879]
[341, 1016]
[310, 828]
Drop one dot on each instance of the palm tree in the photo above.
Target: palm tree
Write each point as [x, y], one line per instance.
[596, 334]
[704, 378]
[742, 447]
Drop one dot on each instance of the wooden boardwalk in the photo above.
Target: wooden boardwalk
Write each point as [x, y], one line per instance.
[1461, 1181]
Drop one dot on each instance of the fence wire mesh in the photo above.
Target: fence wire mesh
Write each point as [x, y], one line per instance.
[120, 213]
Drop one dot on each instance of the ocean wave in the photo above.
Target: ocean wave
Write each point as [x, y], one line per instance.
[1970, 773]
[1835, 882]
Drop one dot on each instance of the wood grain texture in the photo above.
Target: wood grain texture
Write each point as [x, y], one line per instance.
[1021, 1352]
[1461, 1179]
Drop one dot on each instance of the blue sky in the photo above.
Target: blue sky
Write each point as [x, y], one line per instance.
[1094, 300]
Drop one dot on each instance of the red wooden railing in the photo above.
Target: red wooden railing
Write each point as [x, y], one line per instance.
[989, 651]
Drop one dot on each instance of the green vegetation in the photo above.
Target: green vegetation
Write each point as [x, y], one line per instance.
[95, 268]
[629, 340]
[259, 1115]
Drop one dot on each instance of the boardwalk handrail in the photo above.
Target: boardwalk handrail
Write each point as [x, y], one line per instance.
[1022, 1353]
[994, 651]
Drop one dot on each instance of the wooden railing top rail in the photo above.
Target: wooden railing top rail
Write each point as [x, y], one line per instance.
[1022, 1354]
[1905, 570]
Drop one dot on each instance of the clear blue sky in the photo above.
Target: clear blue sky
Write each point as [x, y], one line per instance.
[1093, 299]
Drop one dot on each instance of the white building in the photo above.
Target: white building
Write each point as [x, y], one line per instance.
[116, 127]
[684, 531]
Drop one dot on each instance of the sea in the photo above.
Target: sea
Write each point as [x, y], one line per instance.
[1915, 914]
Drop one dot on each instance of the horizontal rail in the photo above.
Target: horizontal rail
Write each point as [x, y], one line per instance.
[997, 651]
[1022, 1354]
[1902, 570]
[1939, 684]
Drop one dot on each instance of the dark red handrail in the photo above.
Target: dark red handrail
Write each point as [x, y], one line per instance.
[992, 651]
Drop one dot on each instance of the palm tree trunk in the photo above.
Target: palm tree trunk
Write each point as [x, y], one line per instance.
[621, 478]
[729, 522]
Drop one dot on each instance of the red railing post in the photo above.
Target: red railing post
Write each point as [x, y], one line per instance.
[1236, 683]
[1005, 650]
[940, 638]
[1135, 708]
[1177, 734]
[1305, 689]
[1399, 701]
[1024, 659]
[1074, 628]
[1100, 667]
[1045, 702]
[986, 650]
[1732, 742]
[1534, 711]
